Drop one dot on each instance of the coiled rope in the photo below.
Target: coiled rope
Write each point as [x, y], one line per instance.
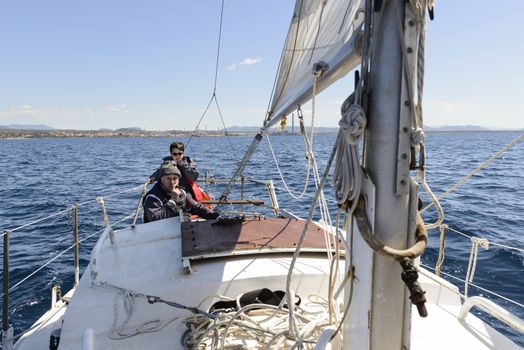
[259, 326]
[347, 177]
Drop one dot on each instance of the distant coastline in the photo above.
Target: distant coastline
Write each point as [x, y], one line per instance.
[29, 133]
[42, 131]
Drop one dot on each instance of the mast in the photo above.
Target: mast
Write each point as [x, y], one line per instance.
[380, 311]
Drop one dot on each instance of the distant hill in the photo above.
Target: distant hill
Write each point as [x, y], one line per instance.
[455, 128]
[255, 129]
[249, 129]
[243, 129]
[325, 130]
[130, 129]
[40, 127]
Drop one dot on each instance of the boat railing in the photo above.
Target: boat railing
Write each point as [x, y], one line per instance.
[493, 309]
[242, 182]
[71, 213]
[482, 303]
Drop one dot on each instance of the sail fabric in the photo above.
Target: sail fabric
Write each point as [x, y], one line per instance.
[321, 31]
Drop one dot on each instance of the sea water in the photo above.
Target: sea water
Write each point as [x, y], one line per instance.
[40, 177]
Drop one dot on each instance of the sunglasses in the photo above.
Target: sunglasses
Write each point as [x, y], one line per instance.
[177, 153]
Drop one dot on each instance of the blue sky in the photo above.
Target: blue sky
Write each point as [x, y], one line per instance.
[150, 64]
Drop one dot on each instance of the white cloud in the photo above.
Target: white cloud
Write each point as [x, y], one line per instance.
[250, 61]
[122, 108]
[245, 62]
[44, 112]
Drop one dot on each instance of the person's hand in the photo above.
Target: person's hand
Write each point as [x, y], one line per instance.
[177, 195]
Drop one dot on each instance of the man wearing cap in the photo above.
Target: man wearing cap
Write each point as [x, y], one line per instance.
[166, 199]
[185, 164]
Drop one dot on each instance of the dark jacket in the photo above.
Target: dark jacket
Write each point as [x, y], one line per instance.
[188, 170]
[158, 205]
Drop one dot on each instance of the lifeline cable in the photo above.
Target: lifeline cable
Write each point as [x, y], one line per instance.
[477, 169]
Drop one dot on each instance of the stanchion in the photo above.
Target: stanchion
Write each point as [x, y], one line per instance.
[7, 331]
[75, 238]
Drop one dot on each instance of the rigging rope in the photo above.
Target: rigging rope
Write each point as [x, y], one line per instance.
[252, 148]
[293, 194]
[472, 265]
[318, 70]
[218, 47]
[441, 250]
[122, 332]
[214, 94]
[347, 176]
[480, 167]
[421, 175]
[491, 243]
[308, 222]
[349, 274]
[471, 284]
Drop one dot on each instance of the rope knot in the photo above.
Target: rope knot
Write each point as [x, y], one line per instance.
[417, 137]
[353, 123]
[100, 200]
[482, 242]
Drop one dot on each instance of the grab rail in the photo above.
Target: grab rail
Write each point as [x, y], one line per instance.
[493, 309]
[270, 187]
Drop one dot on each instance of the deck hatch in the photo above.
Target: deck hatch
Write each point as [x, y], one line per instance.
[203, 238]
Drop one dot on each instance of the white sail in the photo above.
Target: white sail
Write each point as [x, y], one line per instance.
[324, 31]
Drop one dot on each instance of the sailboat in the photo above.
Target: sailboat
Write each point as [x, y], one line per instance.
[288, 282]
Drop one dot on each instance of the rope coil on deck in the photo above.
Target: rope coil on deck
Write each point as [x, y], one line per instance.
[267, 325]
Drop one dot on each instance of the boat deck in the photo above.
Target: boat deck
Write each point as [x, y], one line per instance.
[147, 260]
